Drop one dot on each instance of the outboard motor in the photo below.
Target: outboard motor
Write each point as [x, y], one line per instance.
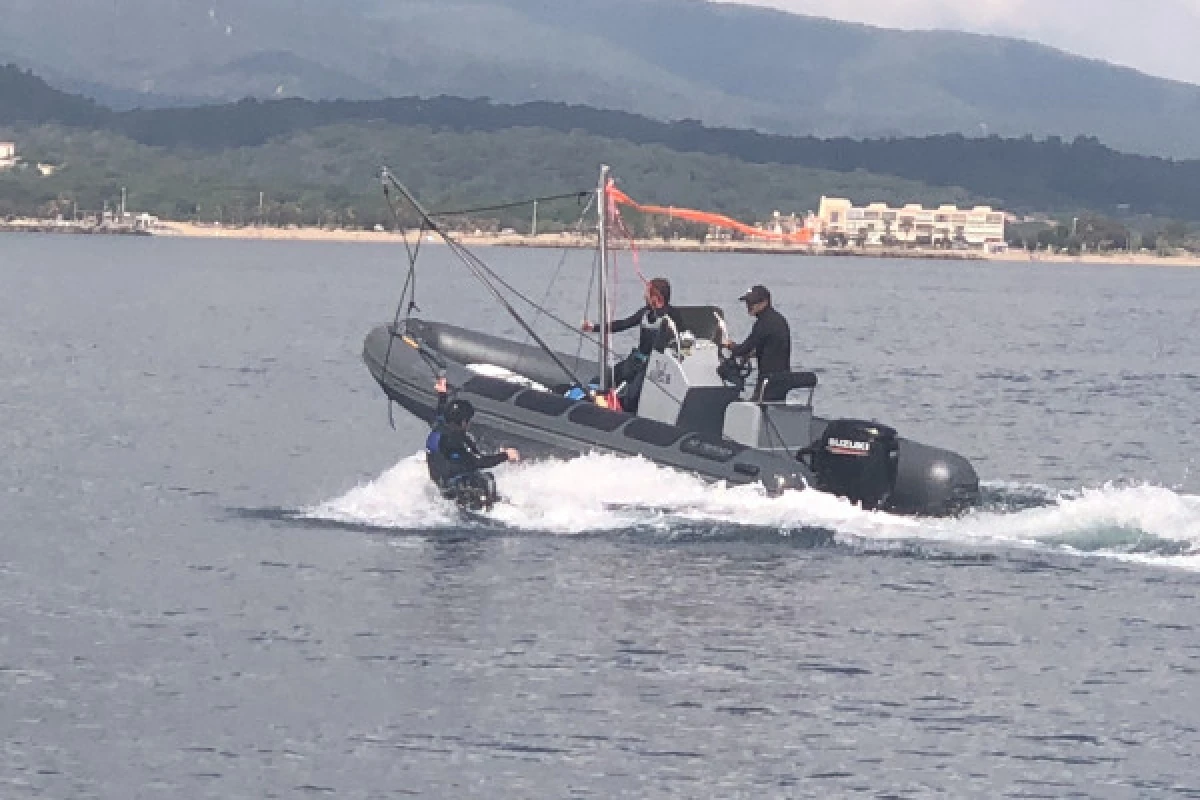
[857, 460]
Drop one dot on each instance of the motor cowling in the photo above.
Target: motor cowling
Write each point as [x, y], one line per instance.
[857, 460]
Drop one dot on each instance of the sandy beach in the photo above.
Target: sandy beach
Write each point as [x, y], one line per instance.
[555, 240]
[1116, 258]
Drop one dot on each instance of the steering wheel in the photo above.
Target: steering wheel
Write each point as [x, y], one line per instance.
[735, 371]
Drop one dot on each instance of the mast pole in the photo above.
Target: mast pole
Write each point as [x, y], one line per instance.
[602, 210]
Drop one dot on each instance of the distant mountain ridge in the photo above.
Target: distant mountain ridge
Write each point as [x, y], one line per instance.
[727, 65]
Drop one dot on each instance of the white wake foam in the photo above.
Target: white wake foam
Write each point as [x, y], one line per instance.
[402, 498]
[1107, 516]
[605, 493]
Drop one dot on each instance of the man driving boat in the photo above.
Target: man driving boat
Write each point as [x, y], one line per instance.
[770, 340]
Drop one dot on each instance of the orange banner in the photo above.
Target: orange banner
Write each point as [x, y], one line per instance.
[708, 218]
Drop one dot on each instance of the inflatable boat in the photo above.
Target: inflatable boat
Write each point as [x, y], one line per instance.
[689, 417]
[693, 414]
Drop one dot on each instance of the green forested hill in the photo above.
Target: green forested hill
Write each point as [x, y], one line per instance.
[315, 159]
[328, 175]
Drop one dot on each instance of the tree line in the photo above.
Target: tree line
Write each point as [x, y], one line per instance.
[329, 176]
[1023, 175]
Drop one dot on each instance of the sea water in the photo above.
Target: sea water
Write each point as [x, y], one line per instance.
[223, 574]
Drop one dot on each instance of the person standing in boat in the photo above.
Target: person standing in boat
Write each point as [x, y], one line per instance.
[455, 462]
[770, 340]
[658, 314]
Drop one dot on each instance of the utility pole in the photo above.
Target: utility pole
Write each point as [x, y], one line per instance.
[261, 197]
[122, 203]
[534, 231]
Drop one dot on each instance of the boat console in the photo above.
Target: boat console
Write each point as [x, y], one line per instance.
[684, 387]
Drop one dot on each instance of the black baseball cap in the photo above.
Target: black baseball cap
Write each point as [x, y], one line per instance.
[757, 294]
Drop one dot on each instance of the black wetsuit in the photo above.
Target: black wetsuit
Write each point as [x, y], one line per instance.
[770, 342]
[456, 464]
[632, 370]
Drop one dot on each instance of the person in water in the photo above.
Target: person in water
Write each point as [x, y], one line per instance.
[651, 319]
[455, 462]
[770, 340]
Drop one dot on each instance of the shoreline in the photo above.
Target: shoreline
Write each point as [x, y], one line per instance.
[566, 240]
[189, 230]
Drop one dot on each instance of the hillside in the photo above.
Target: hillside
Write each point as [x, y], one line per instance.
[327, 175]
[669, 59]
[1018, 174]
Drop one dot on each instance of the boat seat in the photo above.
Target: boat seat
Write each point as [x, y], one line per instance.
[776, 387]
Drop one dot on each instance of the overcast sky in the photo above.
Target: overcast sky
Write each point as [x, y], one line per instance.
[1155, 36]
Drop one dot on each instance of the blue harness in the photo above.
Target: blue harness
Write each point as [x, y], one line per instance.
[443, 467]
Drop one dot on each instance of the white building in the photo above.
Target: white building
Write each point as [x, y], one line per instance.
[145, 222]
[979, 227]
[8, 155]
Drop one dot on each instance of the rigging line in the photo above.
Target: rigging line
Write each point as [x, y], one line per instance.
[412, 252]
[592, 274]
[515, 204]
[464, 254]
[480, 270]
[387, 195]
[620, 222]
[467, 258]
[410, 282]
[587, 304]
[410, 278]
[500, 280]
[545, 298]
[554, 279]
[412, 270]
[590, 194]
